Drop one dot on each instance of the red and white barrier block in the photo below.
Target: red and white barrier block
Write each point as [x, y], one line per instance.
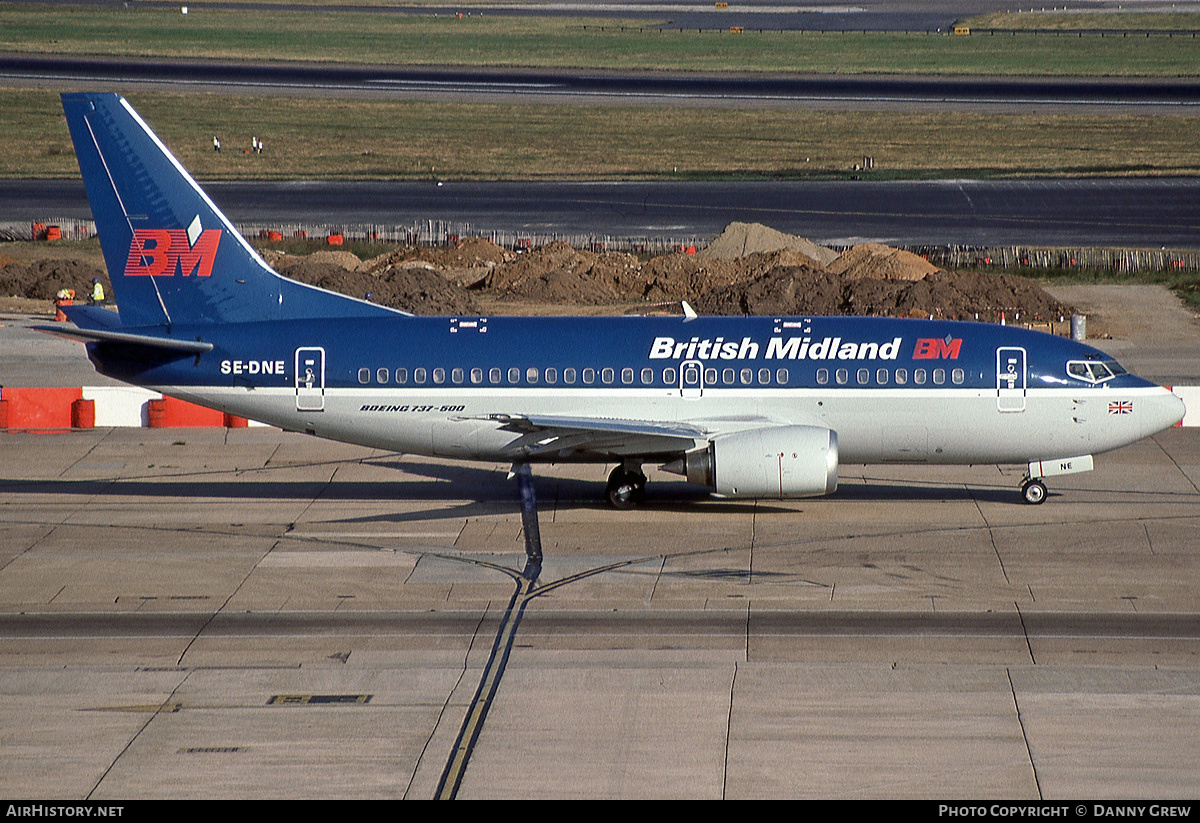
[57, 409]
[1190, 395]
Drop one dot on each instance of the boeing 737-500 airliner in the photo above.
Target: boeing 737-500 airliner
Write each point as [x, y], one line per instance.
[746, 406]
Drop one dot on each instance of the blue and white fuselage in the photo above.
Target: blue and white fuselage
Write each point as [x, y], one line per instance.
[763, 406]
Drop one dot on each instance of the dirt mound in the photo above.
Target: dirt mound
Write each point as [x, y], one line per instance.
[867, 279]
[944, 295]
[42, 279]
[781, 290]
[347, 260]
[686, 276]
[411, 290]
[881, 262]
[468, 253]
[557, 273]
[745, 239]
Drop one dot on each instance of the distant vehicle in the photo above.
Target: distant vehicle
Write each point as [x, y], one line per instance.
[745, 406]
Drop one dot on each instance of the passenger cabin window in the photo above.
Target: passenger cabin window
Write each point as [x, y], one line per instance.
[589, 376]
[494, 375]
[514, 375]
[647, 376]
[551, 375]
[439, 375]
[822, 376]
[606, 375]
[418, 375]
[626, 376]
[476, 376]
[364, 375]
[401, 375]
[569, 376]
[669, 377]
[456, 375]
[382, 375]
[939, 376]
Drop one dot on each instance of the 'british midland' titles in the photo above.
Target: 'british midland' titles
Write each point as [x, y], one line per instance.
[777, 348]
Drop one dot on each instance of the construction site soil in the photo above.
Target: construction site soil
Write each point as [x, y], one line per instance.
[748, 269]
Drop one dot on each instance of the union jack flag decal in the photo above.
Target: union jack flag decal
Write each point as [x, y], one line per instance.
[1120, 407]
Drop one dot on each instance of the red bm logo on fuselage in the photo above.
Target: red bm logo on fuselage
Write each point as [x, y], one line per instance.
[930, 348]
[167, 252]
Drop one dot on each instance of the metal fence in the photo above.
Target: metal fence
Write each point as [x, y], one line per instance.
[1099, 259]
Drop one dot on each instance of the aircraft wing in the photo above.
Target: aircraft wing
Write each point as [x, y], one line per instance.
[545, 436]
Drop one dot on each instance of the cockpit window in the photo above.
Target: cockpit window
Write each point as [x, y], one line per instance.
[1094, 371]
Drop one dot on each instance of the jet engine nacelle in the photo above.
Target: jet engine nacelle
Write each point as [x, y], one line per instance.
[780, 461]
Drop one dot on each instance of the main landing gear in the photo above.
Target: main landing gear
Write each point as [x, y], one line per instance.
[626, 487]
[1033, 490]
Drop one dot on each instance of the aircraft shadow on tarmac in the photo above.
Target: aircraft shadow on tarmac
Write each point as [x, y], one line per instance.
[472, 487]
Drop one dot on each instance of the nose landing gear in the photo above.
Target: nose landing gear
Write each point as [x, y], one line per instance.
[1033, 491]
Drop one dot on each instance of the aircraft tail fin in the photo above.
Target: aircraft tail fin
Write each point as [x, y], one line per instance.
[171, 254]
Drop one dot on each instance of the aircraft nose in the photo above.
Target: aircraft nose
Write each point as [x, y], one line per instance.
[1168, 408]
[1179, 410]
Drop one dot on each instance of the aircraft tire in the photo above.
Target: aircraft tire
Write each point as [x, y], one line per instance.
[1033, 492]
[626, 489]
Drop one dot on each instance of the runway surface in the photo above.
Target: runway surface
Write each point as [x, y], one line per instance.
[1136, 95]
[1139, 213]
[248, 613]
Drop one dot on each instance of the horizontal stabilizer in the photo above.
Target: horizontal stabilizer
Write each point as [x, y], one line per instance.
[92, 317]
[102, 336]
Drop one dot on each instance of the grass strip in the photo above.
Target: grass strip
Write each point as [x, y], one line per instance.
[1113, 21]
[379, 139]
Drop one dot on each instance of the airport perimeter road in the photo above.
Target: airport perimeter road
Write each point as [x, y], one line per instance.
[247, 613]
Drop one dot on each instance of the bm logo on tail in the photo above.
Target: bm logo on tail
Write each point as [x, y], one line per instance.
[168, 252]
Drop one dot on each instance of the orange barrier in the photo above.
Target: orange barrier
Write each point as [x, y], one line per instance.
[334, 240]
[40, 408]
[83, 414]
[171, 412]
